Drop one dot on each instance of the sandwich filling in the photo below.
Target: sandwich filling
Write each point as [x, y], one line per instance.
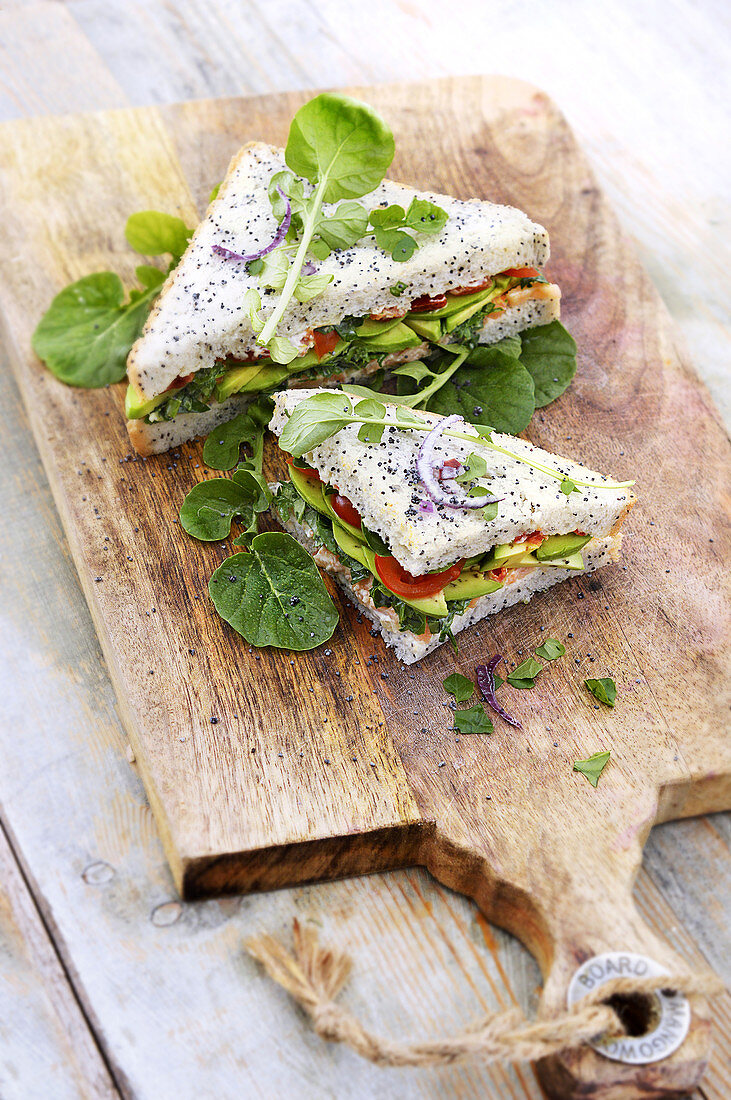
[425, 605]
[355, 347]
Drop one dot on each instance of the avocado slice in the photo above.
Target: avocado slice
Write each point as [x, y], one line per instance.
[504, 554]
[470, 584]
[368, 329]
[351, 546]
[428, 605]
[455, 303]
[561, 546]
[573, 561]
[312, 492]
[135, 407]
[238, 378]
[395, 338]
[426, 327]
[464, 314]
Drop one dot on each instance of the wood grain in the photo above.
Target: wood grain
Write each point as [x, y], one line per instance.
[516, 150]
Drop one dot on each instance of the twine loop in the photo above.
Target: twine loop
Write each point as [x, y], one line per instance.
[314, 975]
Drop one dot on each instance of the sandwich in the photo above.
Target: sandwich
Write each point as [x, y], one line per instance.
[199, 361]
[428, 523]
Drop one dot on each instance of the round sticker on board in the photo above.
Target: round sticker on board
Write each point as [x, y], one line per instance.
[670, 1022]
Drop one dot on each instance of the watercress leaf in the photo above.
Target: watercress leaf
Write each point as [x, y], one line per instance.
[416, 369]
[210, 507]
[604, 689]
[551, 649]
[252, 304]
[85, 335]
[150, 277]
[294, 189]
[399, 245]
[393, 399]
[492, 385]
[274, 595]
[311, 286]
[274, 268]
[221, 448]
[397, 289]
[339, 140]
[320, 249]
[490, 511]
[549, 354]
[568, 487]
[282, 350]
[388, 217]
[313, 421]
[473, 720]
[459, 686]
[344, 227]
[153, 233]
[593, 766]
[425, 216]
[476, 467]
[370, 433]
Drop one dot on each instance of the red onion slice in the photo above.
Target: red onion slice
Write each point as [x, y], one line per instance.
[274, 243]
[485, 675]
[425, 469]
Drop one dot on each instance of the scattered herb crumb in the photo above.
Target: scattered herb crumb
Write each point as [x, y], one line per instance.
[593, 766]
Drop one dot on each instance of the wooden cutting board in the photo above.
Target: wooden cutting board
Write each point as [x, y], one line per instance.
[266, 769]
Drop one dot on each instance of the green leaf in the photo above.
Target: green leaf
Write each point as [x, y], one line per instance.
[490, 385]
[509, 345]
[593, 766]
[551, 649]
[311, 286]
[211, 506]
[524, 676]
[568, 487]
[274, 268]
[376, 543]
[459, 686]
[150, 277]
[397, 289]
[549, 354]
[274, 595]
[294, 189]
[313, 421]
[336, 139]
[251, 302]
[473, 720]
[221, 449]
[425, 216]
[153, 233]
[399, 245]
[415, 369]
[85, 335]
[476, 467]
[370, 433]
[344, 227]
[605, 690]
[282, 350]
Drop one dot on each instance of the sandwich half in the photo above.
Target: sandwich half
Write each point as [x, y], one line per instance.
[198, 363]
[429, 529]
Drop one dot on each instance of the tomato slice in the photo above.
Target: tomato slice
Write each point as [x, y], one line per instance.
[306, 470]
[531, 541]
[402, 583]
[180, 382]
[499, 574]
[425, 303]
[347, 511]
[324, 342]
[460, 290]
[521, 272]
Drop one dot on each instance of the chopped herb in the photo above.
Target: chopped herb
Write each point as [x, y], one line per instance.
[459, 686]
[473, 720]
[593, 766]
[605, 690]
[568, 487]
[397, 289]
[551, 649]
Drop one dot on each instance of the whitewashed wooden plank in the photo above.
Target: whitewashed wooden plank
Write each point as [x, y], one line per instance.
[46, 1047]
